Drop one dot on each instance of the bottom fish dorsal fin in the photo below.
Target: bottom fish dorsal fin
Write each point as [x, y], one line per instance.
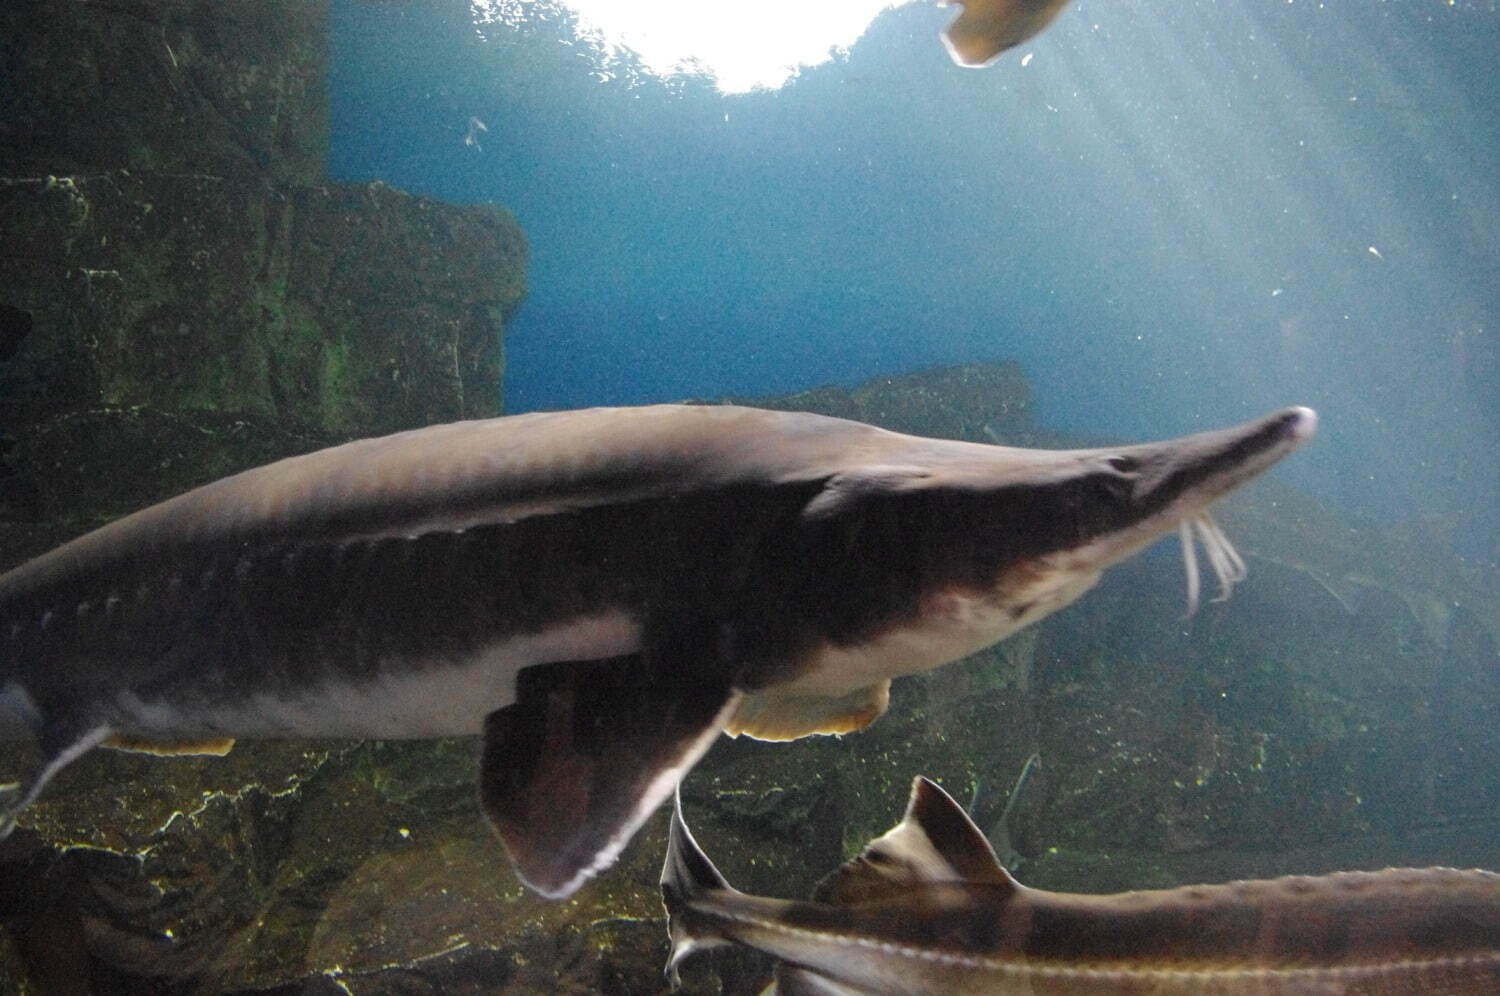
[214, 746]
[586, 753]
[934, 842]
[776, 715]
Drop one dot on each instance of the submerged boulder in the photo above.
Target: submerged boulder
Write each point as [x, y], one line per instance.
[346, 310]
[225, 87]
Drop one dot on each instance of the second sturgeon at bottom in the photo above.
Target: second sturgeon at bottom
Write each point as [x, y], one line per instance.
[599, 592]
[927, 910]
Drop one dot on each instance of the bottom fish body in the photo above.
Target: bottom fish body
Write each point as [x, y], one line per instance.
[927, 909]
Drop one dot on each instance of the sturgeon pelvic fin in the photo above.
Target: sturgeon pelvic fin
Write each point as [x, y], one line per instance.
[213, 747]
[773, 715]
[587, 752]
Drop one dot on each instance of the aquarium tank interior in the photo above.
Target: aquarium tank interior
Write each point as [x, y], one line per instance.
[427, 699]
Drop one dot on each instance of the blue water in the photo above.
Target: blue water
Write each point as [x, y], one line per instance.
[1167, 217]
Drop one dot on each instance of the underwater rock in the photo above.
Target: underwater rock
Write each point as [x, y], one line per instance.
[1354, 562]
[173, 258]
[322, 306]
[229, 87]
[983, 403]
[86, 467]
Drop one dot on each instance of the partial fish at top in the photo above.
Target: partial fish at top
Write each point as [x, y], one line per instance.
[600, 593]
[986, 28]
[927, 910]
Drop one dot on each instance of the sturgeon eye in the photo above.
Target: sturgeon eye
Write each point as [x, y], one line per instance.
[1124, 464]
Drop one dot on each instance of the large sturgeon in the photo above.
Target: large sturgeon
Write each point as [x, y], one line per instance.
[927, 910]
[599, 592]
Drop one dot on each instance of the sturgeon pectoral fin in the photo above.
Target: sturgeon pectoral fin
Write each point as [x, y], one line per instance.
[217, 746]
[583, 757]
[61, 745]
[784, 716]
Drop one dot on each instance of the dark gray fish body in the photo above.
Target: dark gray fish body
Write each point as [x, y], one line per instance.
[927, 909]
[598, 592]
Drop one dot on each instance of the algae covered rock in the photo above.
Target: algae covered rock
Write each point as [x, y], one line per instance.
[986, 403]
[86, 467]
[348, 310]
[228, 87]
[172, 242]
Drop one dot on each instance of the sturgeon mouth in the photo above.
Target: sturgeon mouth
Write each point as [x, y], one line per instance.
[1174, 483]
[1279, 434]
[1286, 431]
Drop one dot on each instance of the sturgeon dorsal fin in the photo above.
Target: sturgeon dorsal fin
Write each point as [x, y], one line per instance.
[934, 842]
[586, 753]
